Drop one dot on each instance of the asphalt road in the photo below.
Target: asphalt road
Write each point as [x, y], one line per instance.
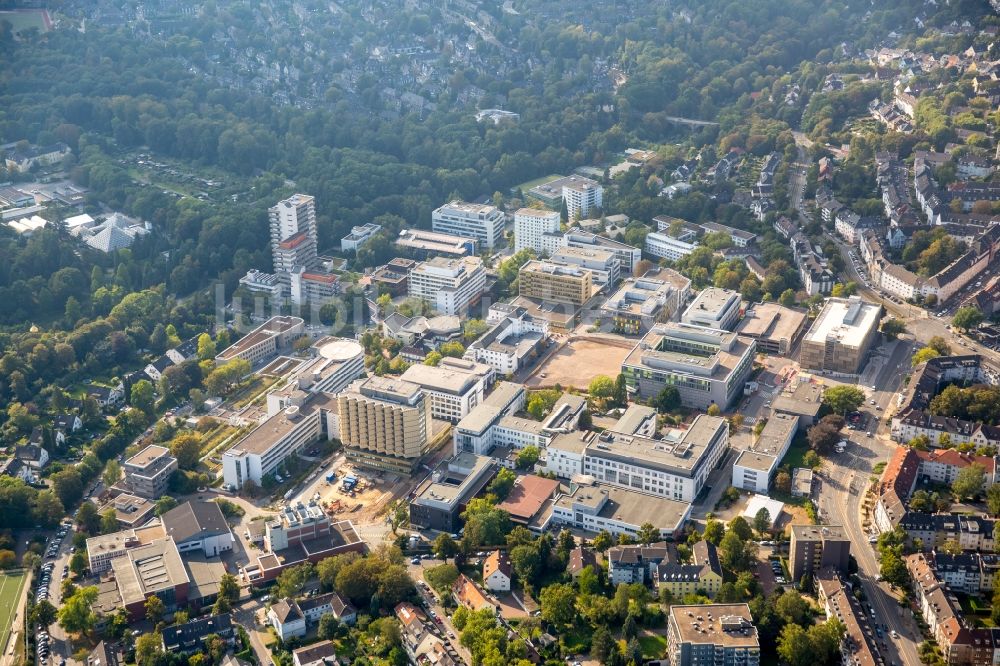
[845, 483]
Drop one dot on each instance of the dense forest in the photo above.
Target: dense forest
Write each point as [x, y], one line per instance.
[587, 84]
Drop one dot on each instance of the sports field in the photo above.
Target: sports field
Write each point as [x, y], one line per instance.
[10, 593]
[25, 19]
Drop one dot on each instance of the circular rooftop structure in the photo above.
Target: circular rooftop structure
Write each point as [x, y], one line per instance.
[341, 349]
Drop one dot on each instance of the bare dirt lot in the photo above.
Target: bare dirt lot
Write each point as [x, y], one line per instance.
[580, 360]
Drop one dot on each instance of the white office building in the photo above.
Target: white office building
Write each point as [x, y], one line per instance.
[663, 246]
[714, 308]
[515, 339]
[449, 285]
[604, 266]
[583, 196]
[455, 386]
[530, 228]
[482, 222]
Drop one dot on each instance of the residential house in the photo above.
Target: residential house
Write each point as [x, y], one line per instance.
[468, 594]
[635, 563]
[313, 608]
[497, 571]
[579, 559]
[190, 636]
[323, 653]
[287, 619]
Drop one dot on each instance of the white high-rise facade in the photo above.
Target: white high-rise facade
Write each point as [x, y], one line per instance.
[530, 227]
[481, 222]
[293, 240]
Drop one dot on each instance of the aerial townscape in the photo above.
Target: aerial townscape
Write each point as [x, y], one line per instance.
[500, 333]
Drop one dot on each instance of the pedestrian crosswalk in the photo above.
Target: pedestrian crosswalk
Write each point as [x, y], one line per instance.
[749, 420]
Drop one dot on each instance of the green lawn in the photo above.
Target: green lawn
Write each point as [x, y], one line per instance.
[25, 20]
[536, 182]
[795, 452]
[654, 646]
[10, 593]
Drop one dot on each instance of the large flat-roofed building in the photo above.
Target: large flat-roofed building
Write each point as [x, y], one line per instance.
[455, 386]
[555, 282]
[298, 534]
[394, 277]
[629, 256]
[198, 526]
[513, 342]
[775, 328]
[385, 423]
[148, 472]
[708, 366]
[755, 467]
[440, 500]
[101, 550]
[802, 398]
[664, 246]
[714, 308]
[157, 569]
[717, 634]
[423, 243]
[817, 547]
[530, 225]
[335, 363]
[475, 433]
[839, 340]
[675, 467]
[359, 236]
[449, 285]
[603, 265]
[482, 222]
[602, 506]
[583, 196]
[132, 511]
[641, 302]
[314, 287]
[265, 341]
[260, 452]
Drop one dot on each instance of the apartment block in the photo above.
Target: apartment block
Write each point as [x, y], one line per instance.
[817, 547]
[293, 233]
[484, 223]
[583, 196]
[708, 366]
[714, 308]
[555, 282]
[385, 423]
[148, 472]
[312, 287]
[839, 339]
[530, 226]
[718, 634]
[451, 286]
